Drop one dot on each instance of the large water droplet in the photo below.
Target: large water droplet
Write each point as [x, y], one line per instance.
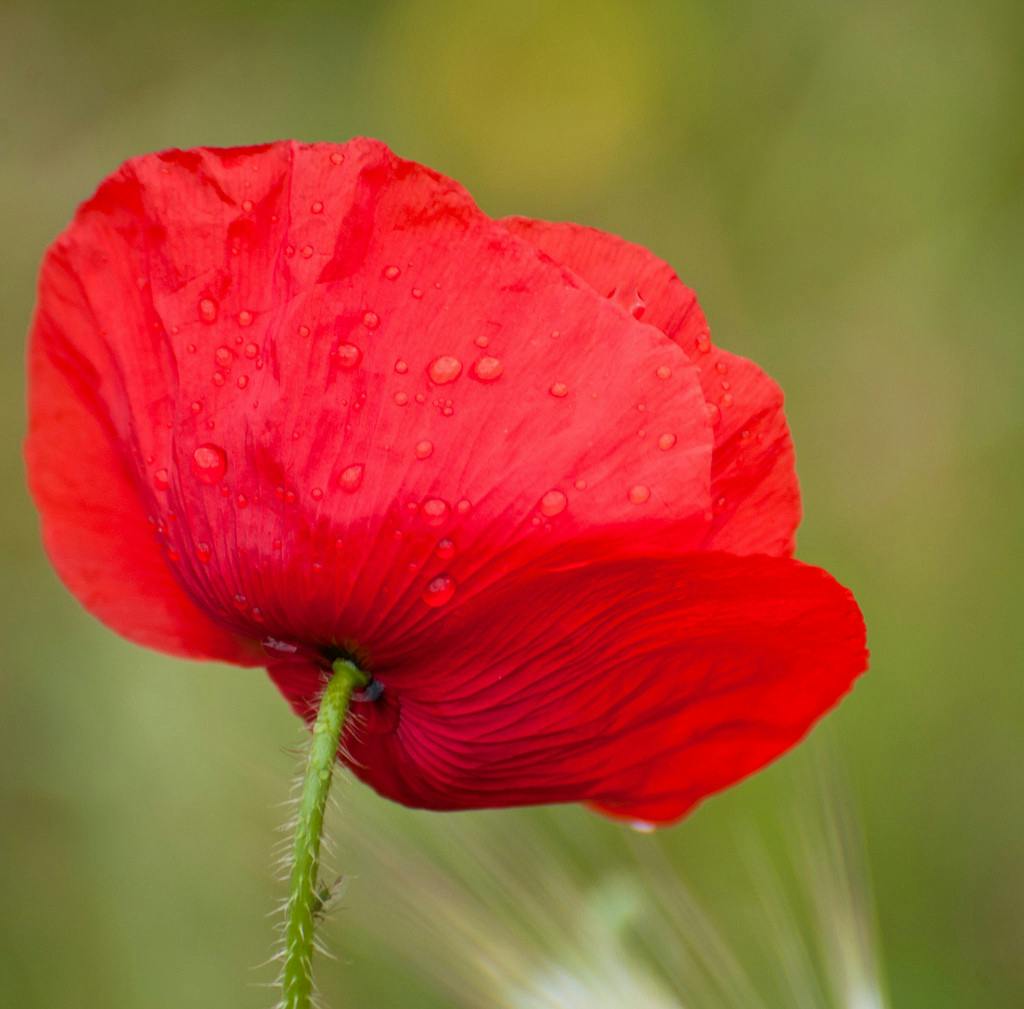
[351, 478]
[434, 511]
[209, 463]
[639, 493]
[444, 369]
[553, 503]
[424, 449]
[666, 441]
[488, 369]
[349, 356]
[439, 590]
[207, 310]
[559, 390]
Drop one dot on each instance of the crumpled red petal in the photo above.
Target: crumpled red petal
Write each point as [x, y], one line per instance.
[754, 492]
[331, 380]
[640, 685]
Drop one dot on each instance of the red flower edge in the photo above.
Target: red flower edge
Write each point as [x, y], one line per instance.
[310, 395]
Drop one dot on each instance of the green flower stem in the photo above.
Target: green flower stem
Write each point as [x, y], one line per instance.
[305, 895]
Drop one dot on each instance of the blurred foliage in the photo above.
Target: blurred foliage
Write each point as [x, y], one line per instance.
[842, 185]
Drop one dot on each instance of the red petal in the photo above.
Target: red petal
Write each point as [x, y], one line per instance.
[640, 685]
[754, 490]
[94, 524]
[324, 362]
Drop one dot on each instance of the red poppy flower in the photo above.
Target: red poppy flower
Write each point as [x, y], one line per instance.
[311, 397]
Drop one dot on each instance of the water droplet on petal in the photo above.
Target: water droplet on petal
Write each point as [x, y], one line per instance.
[703, 342]
[580, 484]
[664, 372]
[209, 463]
[439, 590]
[559, 390]
[247, 205]
[417, 293]
[445, 549]
[306, 252]
[349, 356]
[207, 310]
[251, 350]
[317, 207]
[714, 414]
[488, 369]
[444, 369]
[482, 341]
[401, 367]
[244, 318]
[203, 553]
[242, 381]
[666, 441]
[639, 493]
[161, 479]
[371, 320]
[391, 273]
[337, 158]
[424, 449]
[223, 356]
[553, 503]
[304, 331]
[434, 511]
[401, 398]
[464, 506]
[351, 478]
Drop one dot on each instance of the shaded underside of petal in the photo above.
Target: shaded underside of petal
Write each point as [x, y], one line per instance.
[639, 684]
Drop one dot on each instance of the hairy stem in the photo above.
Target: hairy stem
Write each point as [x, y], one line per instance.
[305, 894]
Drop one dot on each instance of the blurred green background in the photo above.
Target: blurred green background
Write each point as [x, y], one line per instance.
[841, 183]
